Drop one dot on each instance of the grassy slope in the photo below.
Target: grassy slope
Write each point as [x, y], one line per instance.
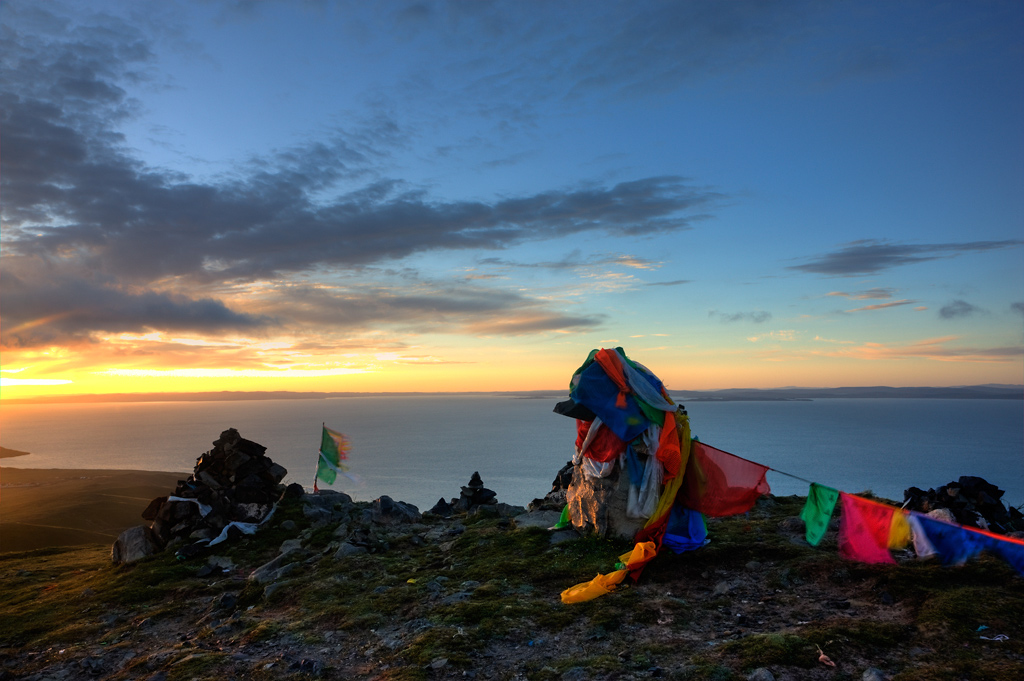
[45, 508]
[756, 596]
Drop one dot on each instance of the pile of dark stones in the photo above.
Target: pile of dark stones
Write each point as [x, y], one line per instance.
[474, 498]
[972, 501]
[233, 482]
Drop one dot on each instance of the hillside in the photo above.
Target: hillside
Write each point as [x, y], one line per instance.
[477, 597]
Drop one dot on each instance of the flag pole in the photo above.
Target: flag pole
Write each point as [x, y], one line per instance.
[316, 471]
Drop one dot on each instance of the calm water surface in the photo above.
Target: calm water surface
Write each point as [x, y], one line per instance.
[419, 449]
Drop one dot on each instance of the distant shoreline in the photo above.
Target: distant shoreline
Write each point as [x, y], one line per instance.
[6, 453]
[976, 392]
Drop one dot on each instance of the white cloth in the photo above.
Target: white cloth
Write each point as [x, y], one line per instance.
[204, 510]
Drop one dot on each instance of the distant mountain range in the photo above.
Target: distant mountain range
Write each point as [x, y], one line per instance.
[971, 392]
[968, 392]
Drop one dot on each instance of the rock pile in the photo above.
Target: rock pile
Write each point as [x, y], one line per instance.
[972, 501]
[555, 500]
[474, 498]
[233, 482]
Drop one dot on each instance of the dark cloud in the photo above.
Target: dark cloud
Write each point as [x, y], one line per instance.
[1018, 308]
[115, 215]
[423, 308]
[870, 256]
[677, 282]
[60, 310]
[958, 308]
[757, 317]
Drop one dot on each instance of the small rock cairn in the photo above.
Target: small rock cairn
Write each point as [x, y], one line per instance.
[233, 482]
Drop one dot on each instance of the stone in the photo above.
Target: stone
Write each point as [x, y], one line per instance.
[541, 519]
[760, 674]
[508, 510]
[290, 545]
[598, 505]
[942, 514]
[559, 536]
[872, 674]
[268, 572]
[346, 549]
[133, 544]
[442, 508]
[386, 510]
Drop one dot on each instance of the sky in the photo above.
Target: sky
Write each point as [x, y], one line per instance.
[470, 196]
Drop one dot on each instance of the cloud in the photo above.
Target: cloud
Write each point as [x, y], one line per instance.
[757, 317]
[58, 310]
[1018, 308]
[97, 241]
[874, 293]
[882, 306]
[936, 349]
[958, 308]
[783, 335]
[419, 306]
[870, 256]
[676, 282]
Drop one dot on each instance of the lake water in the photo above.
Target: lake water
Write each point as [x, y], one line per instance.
[419, 449]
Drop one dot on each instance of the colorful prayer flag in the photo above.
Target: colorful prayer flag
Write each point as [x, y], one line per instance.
[721, 484]
[817, 512]
[333, 450]
[864, 529]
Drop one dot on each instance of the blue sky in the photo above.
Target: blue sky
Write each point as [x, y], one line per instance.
[472, 195]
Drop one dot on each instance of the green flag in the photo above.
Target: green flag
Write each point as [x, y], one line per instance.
[333, 450]
[821, 501]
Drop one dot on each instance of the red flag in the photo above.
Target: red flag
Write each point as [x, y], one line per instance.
[720, 484]
[606, 445]
[864, 529]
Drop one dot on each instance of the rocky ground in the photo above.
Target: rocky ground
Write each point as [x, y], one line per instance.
[336, 589]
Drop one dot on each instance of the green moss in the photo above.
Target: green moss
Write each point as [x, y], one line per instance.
[761, 650]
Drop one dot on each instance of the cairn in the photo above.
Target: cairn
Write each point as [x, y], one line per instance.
[474, 498]
[972, 501]
[233, 482]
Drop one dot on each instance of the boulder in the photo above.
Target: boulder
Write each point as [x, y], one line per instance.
[541, 519]
[598, 505]
[133, 544]
[387, 511]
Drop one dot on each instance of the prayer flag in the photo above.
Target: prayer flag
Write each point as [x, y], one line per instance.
[864, 529]
[721, 484]
[817, 512]
[955, 544]
[604, 446]
[333, 450]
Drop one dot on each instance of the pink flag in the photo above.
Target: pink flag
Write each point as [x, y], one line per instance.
[864, 529]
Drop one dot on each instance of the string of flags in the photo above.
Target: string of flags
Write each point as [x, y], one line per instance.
[616, 400]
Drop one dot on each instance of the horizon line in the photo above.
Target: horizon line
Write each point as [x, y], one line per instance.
[1000, 390]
